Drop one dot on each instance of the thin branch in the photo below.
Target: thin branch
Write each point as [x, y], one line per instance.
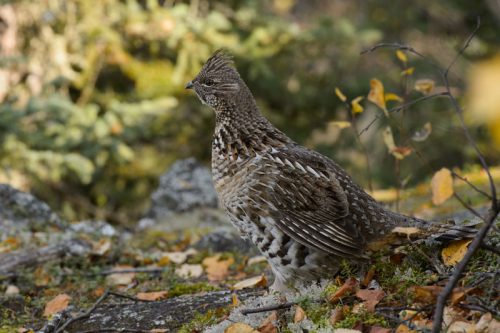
[268, 308]
[474, 187]
[467, 206]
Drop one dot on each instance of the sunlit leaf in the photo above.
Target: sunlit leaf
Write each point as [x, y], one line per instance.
[151, 296]
[216, 268]
[299, 315]
[269, 324]
[345, 289]
[392, 97]
[423, 133]
[256, 281]
[355, 106]
[376, 94]
[388, 139]
[455, 251]
[401, 56]
[425, 86]
[340, 124]
[409, 71]
[58, 303]
[442, 186]
[340, 95]
[240, 328]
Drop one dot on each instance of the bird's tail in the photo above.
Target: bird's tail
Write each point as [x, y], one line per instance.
[441, 232]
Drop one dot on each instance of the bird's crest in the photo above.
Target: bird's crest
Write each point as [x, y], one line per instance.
[220, 61]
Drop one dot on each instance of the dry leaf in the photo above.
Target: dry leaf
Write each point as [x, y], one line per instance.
[179, 257]
[217, 269]
[407, 231]
[120, 278]
[401, 152]
[256, 260]
[11, 290]
[299, 315]
[340, 95]
[461, 327]
[158, 330]
[426, 294]
[59, 303]
[256, 281]
[442, 186]
[42, 277]
[368, 276]
[376, 94]
[268, 325]
[240, 328]
[235, 300]
[355, 106]
[424, 86]
[151, 296]
[404, 329]
[340, 124]
[189, 271]
[487, 324]
[388, 139]
[101, 247]
[392, 97]
[337, 314]
[371, 297]
[346, 330]
[346, 288]
[378, 329]
[401, 56]
[408, 71]
[423, 133]
[455, 251]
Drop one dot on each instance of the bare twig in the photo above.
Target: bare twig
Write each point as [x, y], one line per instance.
[129, 270]
[474, 187]
[268, 308]
[467, 206]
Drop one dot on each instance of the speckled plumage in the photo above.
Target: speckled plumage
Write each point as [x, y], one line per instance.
[301, 209]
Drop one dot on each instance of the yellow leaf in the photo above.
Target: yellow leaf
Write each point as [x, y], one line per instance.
[408, 71]
[340, 124]
[423, 133]
[424, 86]
[401, 56]
[340, 95]
[256, 281]
[151, 296]
[442, 186]
[240, 328]
[59, 303]
[235, 300]
[355, 106]
[408, 231]
[376, 94]
[300, 314]
[217, 269]
[392, 97]
[455, 251]
[388, 139]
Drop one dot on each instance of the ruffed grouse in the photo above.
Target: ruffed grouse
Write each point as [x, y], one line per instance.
[301, 209]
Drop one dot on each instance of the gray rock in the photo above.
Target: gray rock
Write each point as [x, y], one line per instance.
[226, 239]
[21, 211]
[185, 198]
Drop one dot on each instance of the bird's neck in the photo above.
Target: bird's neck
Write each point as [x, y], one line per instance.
[241, 128]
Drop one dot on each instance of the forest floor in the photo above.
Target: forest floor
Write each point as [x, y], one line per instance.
[129, 271]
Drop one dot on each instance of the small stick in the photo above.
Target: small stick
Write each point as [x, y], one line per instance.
[268, 308]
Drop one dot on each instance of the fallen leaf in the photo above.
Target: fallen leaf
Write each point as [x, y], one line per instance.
[42, 277]
[407, 231]
[58, 303]
[461, 327]
[116, 279]
[101, 247]
[487, 324]
[189, 271]
[368, 276]
[179, 257]
[340, 124]
[378, 329]
[268, 325]
[376, 94]
[256, 260]
[240, 328]
[337, 314]
[426, 294]
[11, 290]
[256, 281]
[424, 86]
[340, 95]
[355, 106]
[346, 288]
[235, 300]
[455, 251]
[346, 330]
[441, 186]
[99, 291]
[404, 329]
[423, 133]
[151, 296]
[158, 330]
[217, 269]
[299, 315]
[401, 56]
[371, 297]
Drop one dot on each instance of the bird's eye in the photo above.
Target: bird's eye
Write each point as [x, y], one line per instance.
[208, 83]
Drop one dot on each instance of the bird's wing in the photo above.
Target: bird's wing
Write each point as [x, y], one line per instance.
[307, 203]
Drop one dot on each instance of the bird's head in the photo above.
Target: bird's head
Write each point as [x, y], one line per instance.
[218, 82]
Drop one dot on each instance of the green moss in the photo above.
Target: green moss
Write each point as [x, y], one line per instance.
[369, 319]
[181, 289]
[201, 321]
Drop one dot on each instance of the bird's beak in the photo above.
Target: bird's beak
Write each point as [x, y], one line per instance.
[189, 85]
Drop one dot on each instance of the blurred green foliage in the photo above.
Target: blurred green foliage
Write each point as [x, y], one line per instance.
[94, 110]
